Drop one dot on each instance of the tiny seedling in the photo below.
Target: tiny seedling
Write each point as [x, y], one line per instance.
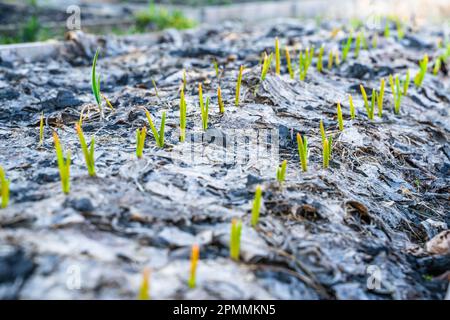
[326, 146]
[302, 146]
[140, 141]
[238, 86]
[281, 172]
[267, 61]
[204, 107]
[4, 188]
[352, 106]
[346, 48]
[369, 108]
[156, 89]
[159, 136]
[397, 93]
[386, 29]
[406, 83]
[330, 60]
[216, 68]
[63, 165]
[88, 153]
[304, 61]
[235, 239]
[320, 59]
[437, 65]
[256, 206]
[423, 65]
[220, 101]
[95, 83]
[400, 32]
[339, 116]
[195, 253]
[380, 98]
[289, 65]
[277, 56]
[41, 130]
[182, 115]
[374, 41]
[108, 103]
[337, 60]
[144, 290]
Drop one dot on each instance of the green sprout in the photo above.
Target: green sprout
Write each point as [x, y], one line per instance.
[406, 83]
[216, 68]
[437, 65]
[41, 130]
[397, 93]
[235, 239]
[95, 83]
[339, 116]
[352, 106]
[400, 32]
[238, 86]
[108, 103]
[204, 108]
[256, 206]
[326, 146]
[159, 136]
[346, 48]
[337, 60]
[140, 141]
[281, 172]
[423, 65]
[369, 109]
[267, 61]
[386, 29]
[358, 44]
[289, 65]
[4, 188]
[88, 153]
[304, 61]
[319, 60]
[277, 56]
[302, 146]
[380, 98]
[374, 41]
[63, 165]
[220, 101]
[156, 89]
[195, 254]
[145, 285]
[330, 60]
[182, 116]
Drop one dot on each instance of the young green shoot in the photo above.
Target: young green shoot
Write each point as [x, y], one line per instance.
[256, 206]
[4, 188]
[339, 117]
[400, 32]
[326, 153]
[437, 65]
[302, 146]
[320, 59]
[144, 290]
[386, 29]
[182, 115]
[281, 172]
[159, 136]
[330, 60]
[220, 101]
[41, 130]
[277, 56]
[336, 56]
[108, 103]
[374, 41]
[156, 89]
[352, 106]
[380, 98]
[369, 108]
[95, 83]
[304, 61]
[238, 86]
[406, 83]
[195, 254]
[397, 93]
[63, 165]
[423, 65]
[346, 48]
[266, 66]
[235, 239]
[204, 107]
[216, 68]
[140, 141]
[87, 152]
[289, 65]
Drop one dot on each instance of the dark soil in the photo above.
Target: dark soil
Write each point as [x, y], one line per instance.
[321, 234]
